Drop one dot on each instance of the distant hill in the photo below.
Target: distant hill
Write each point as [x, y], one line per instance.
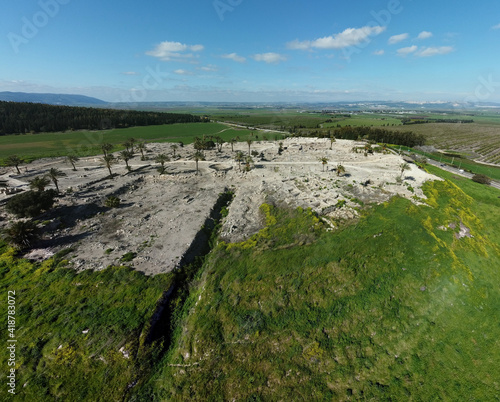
[51, 99]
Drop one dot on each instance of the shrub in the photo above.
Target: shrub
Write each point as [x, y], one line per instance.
[112, 202]
[481, 178]
[31, 203]
[22, 234]
[128, 257]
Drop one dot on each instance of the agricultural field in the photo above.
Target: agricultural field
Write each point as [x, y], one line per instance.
[480, 141]
[87, 143]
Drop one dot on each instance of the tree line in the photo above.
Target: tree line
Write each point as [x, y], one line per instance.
[24, 117]
[405, 138]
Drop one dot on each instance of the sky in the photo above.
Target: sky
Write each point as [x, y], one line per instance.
[253, 50]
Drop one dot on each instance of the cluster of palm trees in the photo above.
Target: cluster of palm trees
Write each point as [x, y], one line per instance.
[39, 183]
[340, 168]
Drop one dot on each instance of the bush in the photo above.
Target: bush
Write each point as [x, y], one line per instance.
[22, 234]
[481, 178]
[112, 202]
[31, 203]
[128, 257]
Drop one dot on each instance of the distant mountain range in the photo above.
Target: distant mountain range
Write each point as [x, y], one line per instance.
[51, 99]
[81, 100]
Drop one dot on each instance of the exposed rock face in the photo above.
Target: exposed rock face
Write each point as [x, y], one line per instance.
[160, 215]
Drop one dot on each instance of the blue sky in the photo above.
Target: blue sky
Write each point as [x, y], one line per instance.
[253, 50]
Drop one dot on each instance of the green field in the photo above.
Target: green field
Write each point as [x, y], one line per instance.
[84, 143]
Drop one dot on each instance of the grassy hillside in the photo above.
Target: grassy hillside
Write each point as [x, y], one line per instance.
[391, 307]
[79, 336]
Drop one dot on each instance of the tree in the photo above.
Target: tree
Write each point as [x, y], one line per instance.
[14, 160]
[332, 140]
[22, 234]
[128, 145]
[324, 161]
[232, 141]
[39, 183]
[249, 142]
[126, 156]
[340, 169]
[132, 141]
[220, 142]
[141, 146]
[198, 156]
[239, 158]
[248, 162]
[72, 159]
[404, 166]
[109, 160]
[106, 147]
[162, 159]
[481, 178]
[31, 203]
[174, 147]
[54, 175]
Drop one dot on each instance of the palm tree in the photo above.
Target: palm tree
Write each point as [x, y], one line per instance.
[249, 142]
[21, 234]
[404, 166]
[232, 141]
[248, 161]
[14, 160]
[220, 142]
[174, 147]
[132, 141]
[332, 140]
[54, 174]
[162, 159]
[280, 149]
[198, 156]
[324, 161]
[126, 156]
[340, 169]
[239, 158]
[141, 146]
[107, 161]
[127, 144]
[72, 159]
[106, 147]
[39, 183]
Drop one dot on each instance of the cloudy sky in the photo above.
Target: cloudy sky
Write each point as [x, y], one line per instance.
[253, 50]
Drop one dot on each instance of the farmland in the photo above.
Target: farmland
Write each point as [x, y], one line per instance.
[86, 143]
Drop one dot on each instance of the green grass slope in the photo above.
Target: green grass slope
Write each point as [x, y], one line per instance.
[70, 328]
[391, 307]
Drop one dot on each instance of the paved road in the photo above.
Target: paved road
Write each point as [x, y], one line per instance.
[458, 171]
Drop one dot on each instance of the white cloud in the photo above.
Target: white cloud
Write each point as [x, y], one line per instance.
[495, 27]
[180, 71]
[398, 38]
[379, 52]
[174, 51]
[130, 73]
[209, 68]
[269, 57]
[404, 51]
[424, 35]
[349, 37]
[434, 51]
[234, 57]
